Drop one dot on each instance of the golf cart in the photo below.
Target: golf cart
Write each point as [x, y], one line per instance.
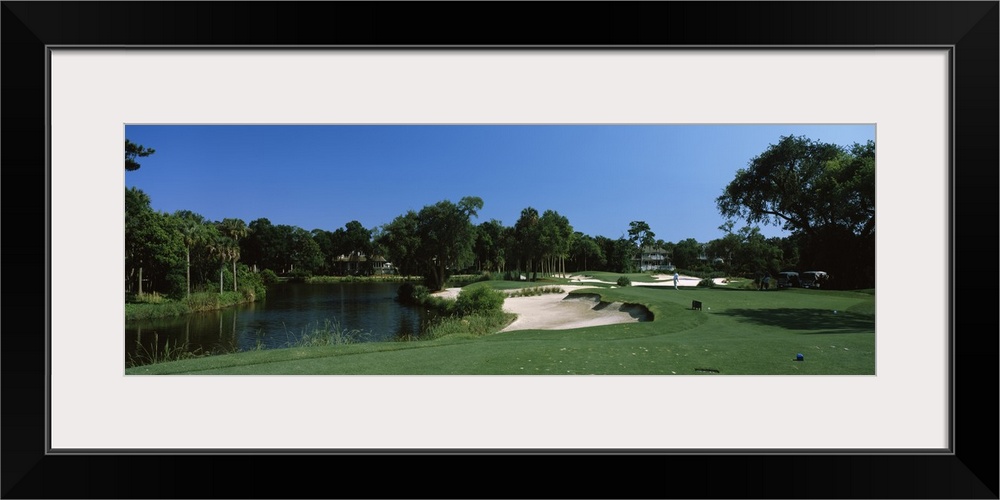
[813, 279]
[788, 279]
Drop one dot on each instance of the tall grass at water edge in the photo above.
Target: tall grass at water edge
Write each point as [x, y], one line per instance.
[154, 354]
[331, 333]
[142, 308]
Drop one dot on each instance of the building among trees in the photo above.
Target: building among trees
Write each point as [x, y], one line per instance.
[653, 258]
[358, 263]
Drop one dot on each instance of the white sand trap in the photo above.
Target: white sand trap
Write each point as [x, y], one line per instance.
[668, 280]
[553, 311]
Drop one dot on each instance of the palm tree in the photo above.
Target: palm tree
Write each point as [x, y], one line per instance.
[235, 229]
[192, 232]
[219, 247]
[233, 254]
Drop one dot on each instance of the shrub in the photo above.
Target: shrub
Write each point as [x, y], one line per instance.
[707, 283]
[624, 281]
[299, 275]
[268, 277]
[480, 300]
[534, 291]
[408, 293]
[252, 285]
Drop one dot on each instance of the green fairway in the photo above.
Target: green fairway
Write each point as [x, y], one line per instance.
[738, 332]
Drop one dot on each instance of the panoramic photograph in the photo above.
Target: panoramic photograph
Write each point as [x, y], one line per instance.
[526, 249]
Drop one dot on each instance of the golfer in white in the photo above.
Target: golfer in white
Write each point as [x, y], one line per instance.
[675, 280]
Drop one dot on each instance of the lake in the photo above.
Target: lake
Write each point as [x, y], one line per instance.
[367, 312]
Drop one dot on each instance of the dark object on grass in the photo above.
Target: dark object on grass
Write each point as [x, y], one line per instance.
[799, 357]
[695, 305]
[787, 279]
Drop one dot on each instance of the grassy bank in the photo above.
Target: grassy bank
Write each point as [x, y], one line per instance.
[738, 332]
[360, 279]
[157, 307]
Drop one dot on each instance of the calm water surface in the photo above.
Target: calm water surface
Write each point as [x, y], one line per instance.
[368, 312]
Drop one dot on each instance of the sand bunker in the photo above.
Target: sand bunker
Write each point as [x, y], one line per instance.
[559, 311]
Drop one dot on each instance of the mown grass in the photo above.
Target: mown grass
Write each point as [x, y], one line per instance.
[738, 332]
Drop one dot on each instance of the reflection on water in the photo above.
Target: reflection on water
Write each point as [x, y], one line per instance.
[291, 314]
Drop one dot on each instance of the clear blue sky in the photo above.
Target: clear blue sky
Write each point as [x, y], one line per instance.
[600, 177]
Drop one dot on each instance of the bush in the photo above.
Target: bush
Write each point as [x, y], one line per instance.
[251, 285]
[480, 300]
[268, 277]
[299, 275]
[624, 281]
[707, 283]
[534, 291]
[408, 293]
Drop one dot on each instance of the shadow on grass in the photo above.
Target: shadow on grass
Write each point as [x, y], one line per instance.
[811, 320]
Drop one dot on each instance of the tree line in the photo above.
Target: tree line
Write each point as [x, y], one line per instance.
[822, 194]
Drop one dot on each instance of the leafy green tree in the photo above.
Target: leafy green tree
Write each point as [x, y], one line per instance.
[324, 240]
[585, 252]
[618, 253]
[401, 241]
[133, 151]
[756, 255]
[527, 234]
[446, 237]
[152, 249]
[489, 247]
[304, 254]
[685, 253]
[357, 239]
[641, 236]
[555, 237]
[822, 193]
[256, 246]
[725, 247]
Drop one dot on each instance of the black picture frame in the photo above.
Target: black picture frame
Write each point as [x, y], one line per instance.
[969, 28]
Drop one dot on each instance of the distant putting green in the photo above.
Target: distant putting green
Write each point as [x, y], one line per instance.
[737, 332]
